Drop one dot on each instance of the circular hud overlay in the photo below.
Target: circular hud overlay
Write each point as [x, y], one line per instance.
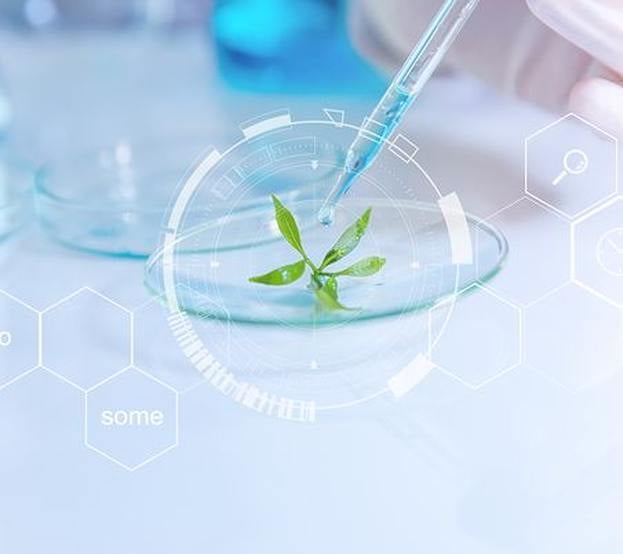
[270, 348]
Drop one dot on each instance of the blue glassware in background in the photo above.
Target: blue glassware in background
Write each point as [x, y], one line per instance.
[288, 46]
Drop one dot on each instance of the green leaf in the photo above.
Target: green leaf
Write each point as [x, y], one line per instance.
[331, 287]
[287, 225]
[281, 276]
[364, 268]
[327, 302]
[348, 241]
[324, 284]
[327, 297]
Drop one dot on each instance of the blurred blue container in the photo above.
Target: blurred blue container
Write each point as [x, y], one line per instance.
[288, 46]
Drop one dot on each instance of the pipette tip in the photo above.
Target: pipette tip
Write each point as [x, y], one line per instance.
[326, 215]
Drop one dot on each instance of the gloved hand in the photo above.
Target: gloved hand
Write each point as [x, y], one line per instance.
[567, 58]
[596, 26]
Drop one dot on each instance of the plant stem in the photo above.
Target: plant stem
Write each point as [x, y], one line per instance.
[311, 265]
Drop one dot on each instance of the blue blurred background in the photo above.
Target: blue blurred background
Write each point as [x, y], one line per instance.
[277, 49]
[275, 46]
[79, 77]
[292, 45]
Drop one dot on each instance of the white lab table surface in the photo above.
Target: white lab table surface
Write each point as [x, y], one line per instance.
[529, 463]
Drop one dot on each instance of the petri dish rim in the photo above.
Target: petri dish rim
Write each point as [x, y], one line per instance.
[474, 221]
[44, 174]
[24, 174]
[87, 184]
[18, 203]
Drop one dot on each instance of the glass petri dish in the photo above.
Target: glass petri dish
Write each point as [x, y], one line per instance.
[15, 197]
[212, 263]
[112, 200]
[272, 349]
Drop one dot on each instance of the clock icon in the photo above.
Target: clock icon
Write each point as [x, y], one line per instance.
[610, 252]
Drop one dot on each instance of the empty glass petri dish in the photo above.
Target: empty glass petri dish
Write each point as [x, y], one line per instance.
[15, 197]
[112, 200]
[212, 263]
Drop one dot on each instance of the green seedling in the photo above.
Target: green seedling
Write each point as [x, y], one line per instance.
[322, 282]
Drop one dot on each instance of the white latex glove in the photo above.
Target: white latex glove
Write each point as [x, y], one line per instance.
[569, 58]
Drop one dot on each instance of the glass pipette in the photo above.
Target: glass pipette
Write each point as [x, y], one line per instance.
[402, 92]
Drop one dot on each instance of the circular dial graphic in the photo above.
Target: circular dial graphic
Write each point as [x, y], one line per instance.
[610, 252]
[272, 349]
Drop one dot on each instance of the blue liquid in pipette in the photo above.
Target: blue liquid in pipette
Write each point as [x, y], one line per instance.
[405, 88]
[367, 146]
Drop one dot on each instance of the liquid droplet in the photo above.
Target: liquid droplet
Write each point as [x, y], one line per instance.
[326, 216]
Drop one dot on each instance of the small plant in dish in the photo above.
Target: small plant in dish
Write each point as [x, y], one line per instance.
[323, 283]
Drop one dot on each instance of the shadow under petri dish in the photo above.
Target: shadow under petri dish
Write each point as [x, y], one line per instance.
[211, 263]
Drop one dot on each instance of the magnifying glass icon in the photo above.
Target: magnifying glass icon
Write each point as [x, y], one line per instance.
[575, 162]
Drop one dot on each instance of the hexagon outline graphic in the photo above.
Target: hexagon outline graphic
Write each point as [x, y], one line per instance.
[539, 370]
[62, 301]
[110, 457]
[474, 289]
[545, 296]
[596, 128]
[80, 291]
[490, 285]
[38, 363]
[574, 255]
[160, 300]
[19, 301]
[603, 240]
